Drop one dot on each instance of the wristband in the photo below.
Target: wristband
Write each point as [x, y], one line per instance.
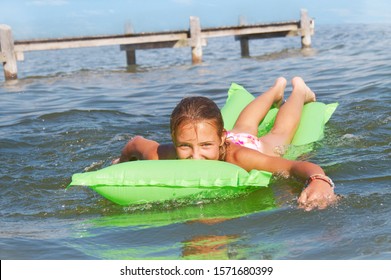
[320, 177]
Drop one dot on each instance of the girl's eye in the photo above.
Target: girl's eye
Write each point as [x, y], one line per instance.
[206, 144]
[183, 145]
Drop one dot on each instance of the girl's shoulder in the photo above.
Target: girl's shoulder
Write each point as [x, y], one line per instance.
[237, 153]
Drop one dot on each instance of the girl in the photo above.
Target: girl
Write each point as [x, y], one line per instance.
[197, 132]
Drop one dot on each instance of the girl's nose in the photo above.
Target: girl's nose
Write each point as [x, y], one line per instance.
[196, 154]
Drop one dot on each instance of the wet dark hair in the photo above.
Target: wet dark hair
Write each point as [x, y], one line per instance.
[195, 109]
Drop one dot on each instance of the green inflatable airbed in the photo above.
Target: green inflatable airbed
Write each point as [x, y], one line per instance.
[152, 181]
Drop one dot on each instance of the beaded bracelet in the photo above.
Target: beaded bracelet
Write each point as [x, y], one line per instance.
[320, 177]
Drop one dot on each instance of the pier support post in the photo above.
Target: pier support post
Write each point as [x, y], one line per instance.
[8, 53]
[130, 54]
[244, 47]
[244, 41]
[131, 57]
[305, 26]
[195, 40]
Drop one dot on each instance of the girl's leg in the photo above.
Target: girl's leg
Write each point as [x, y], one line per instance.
[288, 117]
[249, 119]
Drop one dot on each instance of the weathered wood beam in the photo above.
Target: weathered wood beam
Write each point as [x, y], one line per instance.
[249, 30]
[268, 35]
[305, 28]
[8, 53]
[158, 45]
[2, 57]
[196, 40]
[95, 42]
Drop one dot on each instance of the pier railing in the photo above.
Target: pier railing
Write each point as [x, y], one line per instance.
[195, 37]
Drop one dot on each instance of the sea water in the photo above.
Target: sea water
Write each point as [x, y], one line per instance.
[73, 110]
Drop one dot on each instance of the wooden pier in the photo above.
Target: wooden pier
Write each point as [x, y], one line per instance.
[195, 37]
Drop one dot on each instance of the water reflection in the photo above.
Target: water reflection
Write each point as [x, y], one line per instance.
[193, 240]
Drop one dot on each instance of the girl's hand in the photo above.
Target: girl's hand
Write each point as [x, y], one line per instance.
[318, 194]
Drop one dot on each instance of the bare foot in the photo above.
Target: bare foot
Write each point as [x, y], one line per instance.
[298, 83]
[280, 84]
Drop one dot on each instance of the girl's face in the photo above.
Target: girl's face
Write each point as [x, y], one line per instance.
[197, 141]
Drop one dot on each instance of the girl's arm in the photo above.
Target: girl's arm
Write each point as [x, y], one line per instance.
[140, 148]
[318, 193]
